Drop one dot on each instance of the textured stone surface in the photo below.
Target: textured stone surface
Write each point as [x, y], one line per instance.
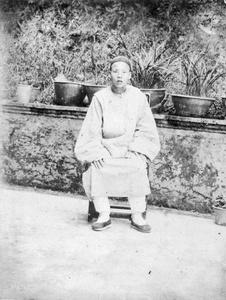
[37, 150]
[190, 169]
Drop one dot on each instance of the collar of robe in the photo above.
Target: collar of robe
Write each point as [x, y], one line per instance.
[118, 95]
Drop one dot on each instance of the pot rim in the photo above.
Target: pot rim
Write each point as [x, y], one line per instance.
[146, 89]
[194, 97]
[94, 85]
[68, 82]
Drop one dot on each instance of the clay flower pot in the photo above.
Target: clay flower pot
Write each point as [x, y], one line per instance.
[23, 93]
[4, 92]
[193, 106]
[91, 89]
[69, 93]
[154, 96]
[224, 101]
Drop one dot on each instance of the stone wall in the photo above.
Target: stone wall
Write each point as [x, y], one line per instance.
[38, 142]
[190, 169]
[38, 149]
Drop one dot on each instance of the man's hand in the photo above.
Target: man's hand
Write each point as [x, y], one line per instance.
[134, 154]
[98, 163]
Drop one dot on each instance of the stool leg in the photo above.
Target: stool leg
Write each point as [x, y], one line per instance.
[92, 213]
[144, 214]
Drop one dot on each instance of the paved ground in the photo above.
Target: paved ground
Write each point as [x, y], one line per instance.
[48, 251]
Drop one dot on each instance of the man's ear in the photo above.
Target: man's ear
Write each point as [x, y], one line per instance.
[129, 75]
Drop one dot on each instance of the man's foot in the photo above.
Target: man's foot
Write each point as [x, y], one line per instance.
[139, 223]
[103, 222]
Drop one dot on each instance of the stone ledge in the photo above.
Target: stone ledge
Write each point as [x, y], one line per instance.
[162, 120]
[56, 111]
[190, 123]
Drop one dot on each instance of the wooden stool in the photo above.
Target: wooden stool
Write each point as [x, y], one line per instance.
[117, 211]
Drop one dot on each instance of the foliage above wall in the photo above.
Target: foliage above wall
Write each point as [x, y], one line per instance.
[78, 39]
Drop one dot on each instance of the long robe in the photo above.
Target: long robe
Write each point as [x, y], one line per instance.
[115, 127]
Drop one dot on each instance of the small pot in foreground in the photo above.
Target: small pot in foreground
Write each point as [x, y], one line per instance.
[193, 106]
[69, 93]
[220, 215]
[23, 93]
[91, 89]
[4, 93]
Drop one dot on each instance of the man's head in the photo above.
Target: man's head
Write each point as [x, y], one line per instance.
[120, 68]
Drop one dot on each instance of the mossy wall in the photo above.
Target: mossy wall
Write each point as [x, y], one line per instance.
[189, 171]
[38, 152]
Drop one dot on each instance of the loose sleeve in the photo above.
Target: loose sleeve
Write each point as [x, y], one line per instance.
[88, 146]
[146, 138]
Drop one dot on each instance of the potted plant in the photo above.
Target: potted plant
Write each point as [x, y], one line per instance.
[27, 90]
[24, 85]
[224, 106]
[219, 206]
[151, 70]
[4, 92]
[22, 74]
[95, 62]
[24, 79]
[23, 92]
[196, 78]
[68, 92]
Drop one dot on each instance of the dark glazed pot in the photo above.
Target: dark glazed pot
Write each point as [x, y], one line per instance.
[69, 93]
[192, 106]
[224, 101]
[154, 96]
[91, 90]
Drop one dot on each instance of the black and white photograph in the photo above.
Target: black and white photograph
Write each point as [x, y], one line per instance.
[112, 150]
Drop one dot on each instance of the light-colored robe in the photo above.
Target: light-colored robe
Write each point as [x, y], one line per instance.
[114, 129]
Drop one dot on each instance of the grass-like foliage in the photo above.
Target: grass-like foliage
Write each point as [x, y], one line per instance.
[79, 38]
[78, 41]
[198, 76]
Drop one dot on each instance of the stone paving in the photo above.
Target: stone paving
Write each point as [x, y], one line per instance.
[49, 251]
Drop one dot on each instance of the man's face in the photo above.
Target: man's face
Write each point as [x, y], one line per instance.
[120, 74]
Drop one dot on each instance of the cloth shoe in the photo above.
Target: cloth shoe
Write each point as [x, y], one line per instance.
[142, 228]
[139, 223]
[103, 222]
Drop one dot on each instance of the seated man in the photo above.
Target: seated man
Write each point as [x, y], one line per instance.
[117, 139]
